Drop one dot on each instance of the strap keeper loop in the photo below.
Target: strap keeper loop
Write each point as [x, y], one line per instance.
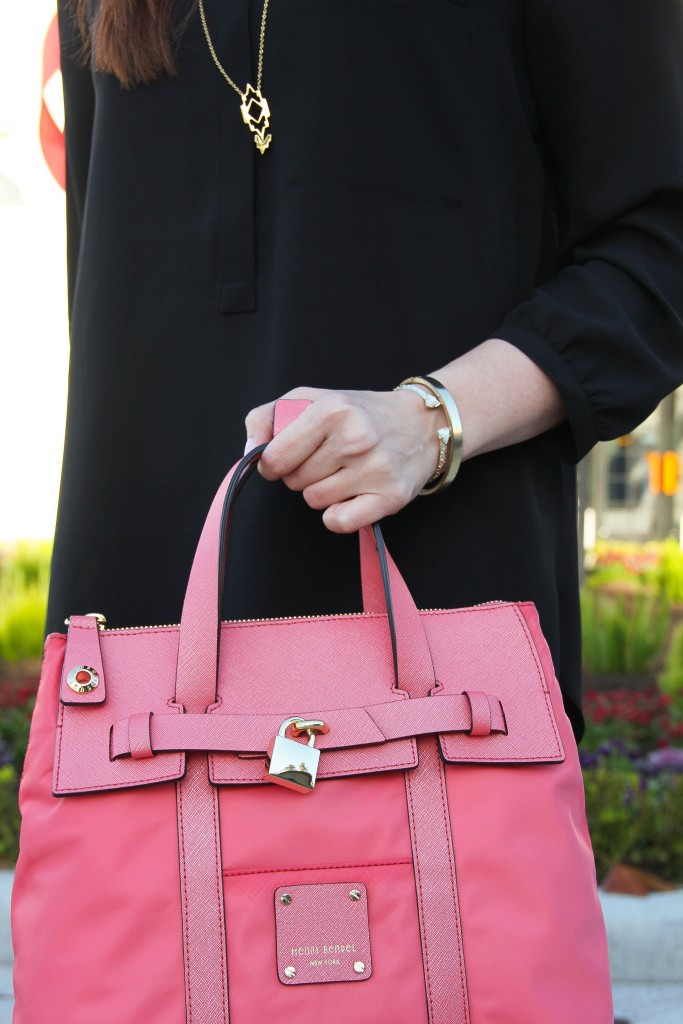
[481, 712]
[140, 736]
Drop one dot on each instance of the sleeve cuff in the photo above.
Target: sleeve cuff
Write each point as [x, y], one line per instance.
[580, 418]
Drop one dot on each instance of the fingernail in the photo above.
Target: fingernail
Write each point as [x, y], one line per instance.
[251, 443]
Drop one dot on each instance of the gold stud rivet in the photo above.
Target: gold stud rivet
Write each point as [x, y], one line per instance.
[285, 899]
[82, 679]
[359, 967]
[355, 894]
[290, 972]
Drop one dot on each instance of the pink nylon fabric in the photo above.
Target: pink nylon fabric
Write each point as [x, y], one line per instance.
[95, 904]
[544, 900]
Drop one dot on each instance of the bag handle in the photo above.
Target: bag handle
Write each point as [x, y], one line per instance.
[199, 640]
[383, 587]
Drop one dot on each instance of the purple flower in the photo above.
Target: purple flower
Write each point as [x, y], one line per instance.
[670, 758]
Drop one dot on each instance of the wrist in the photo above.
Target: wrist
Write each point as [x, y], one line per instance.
[436, 398]
[425, 424]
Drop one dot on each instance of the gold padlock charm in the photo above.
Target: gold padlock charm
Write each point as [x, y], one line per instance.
[291, 764]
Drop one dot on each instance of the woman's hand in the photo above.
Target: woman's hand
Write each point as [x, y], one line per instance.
[362, 455]
[357, 455]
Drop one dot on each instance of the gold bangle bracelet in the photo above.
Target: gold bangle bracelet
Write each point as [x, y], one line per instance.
[447, 403]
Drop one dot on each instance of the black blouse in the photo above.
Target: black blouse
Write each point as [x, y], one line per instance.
[441, 172]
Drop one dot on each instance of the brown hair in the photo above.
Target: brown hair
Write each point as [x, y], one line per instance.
[136, 40]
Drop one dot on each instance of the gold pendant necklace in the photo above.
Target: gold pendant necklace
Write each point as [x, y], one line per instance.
[254, 107]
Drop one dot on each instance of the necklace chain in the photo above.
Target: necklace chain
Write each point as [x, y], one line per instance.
[250, 97]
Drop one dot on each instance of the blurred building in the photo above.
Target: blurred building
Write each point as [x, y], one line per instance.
[629, 489]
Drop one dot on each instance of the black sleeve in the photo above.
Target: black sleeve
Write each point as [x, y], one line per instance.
[79, 109]
[607, 78]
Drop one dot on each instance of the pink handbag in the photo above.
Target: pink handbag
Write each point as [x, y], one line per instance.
[374, 818]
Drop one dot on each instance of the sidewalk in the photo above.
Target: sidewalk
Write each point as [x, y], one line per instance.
[645, 1003]
[646, 951]
[645, 935]
[5, 949]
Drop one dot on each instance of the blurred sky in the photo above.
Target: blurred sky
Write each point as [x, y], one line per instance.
[33, 317]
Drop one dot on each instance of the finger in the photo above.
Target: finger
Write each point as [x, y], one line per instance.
[318, 470]
[352, 447]
[298, 441]
[337, 417]
[259, 426]
[356, 476]
[337, 487]
[352, 515]
[259, 421]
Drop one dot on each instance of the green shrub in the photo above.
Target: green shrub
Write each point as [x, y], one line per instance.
[14, 730]
[621, 637]
[609, 791]
[634, 819]
[24, 575]
[668, 573]
[15, 724]
[22, 624]
[9, 815]
[26, 564]
[670, 680]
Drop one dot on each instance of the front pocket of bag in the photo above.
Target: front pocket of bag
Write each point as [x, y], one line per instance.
[393, 992]
[353, 831]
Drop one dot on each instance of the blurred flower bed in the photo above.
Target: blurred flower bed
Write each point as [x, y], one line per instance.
[632, 753]
[632, 760]
[656, 567]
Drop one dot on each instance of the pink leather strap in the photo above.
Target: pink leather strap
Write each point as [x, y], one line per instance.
[481, 712]
[370, 577]
[286, 411]
[147, 734]
[199, 846]
[197, 648]
[139, 737]
[414, 659]
[437, 890]
[201, 896]
[84, 638]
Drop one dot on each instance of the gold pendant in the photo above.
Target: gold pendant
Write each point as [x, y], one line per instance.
[256, 115]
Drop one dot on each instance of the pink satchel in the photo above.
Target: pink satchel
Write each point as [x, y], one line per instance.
[371, 818]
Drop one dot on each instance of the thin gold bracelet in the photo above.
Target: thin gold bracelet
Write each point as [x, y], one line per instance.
[447, 475]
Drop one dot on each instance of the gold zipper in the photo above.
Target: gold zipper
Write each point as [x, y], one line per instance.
[291, 618]
[275, 618]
